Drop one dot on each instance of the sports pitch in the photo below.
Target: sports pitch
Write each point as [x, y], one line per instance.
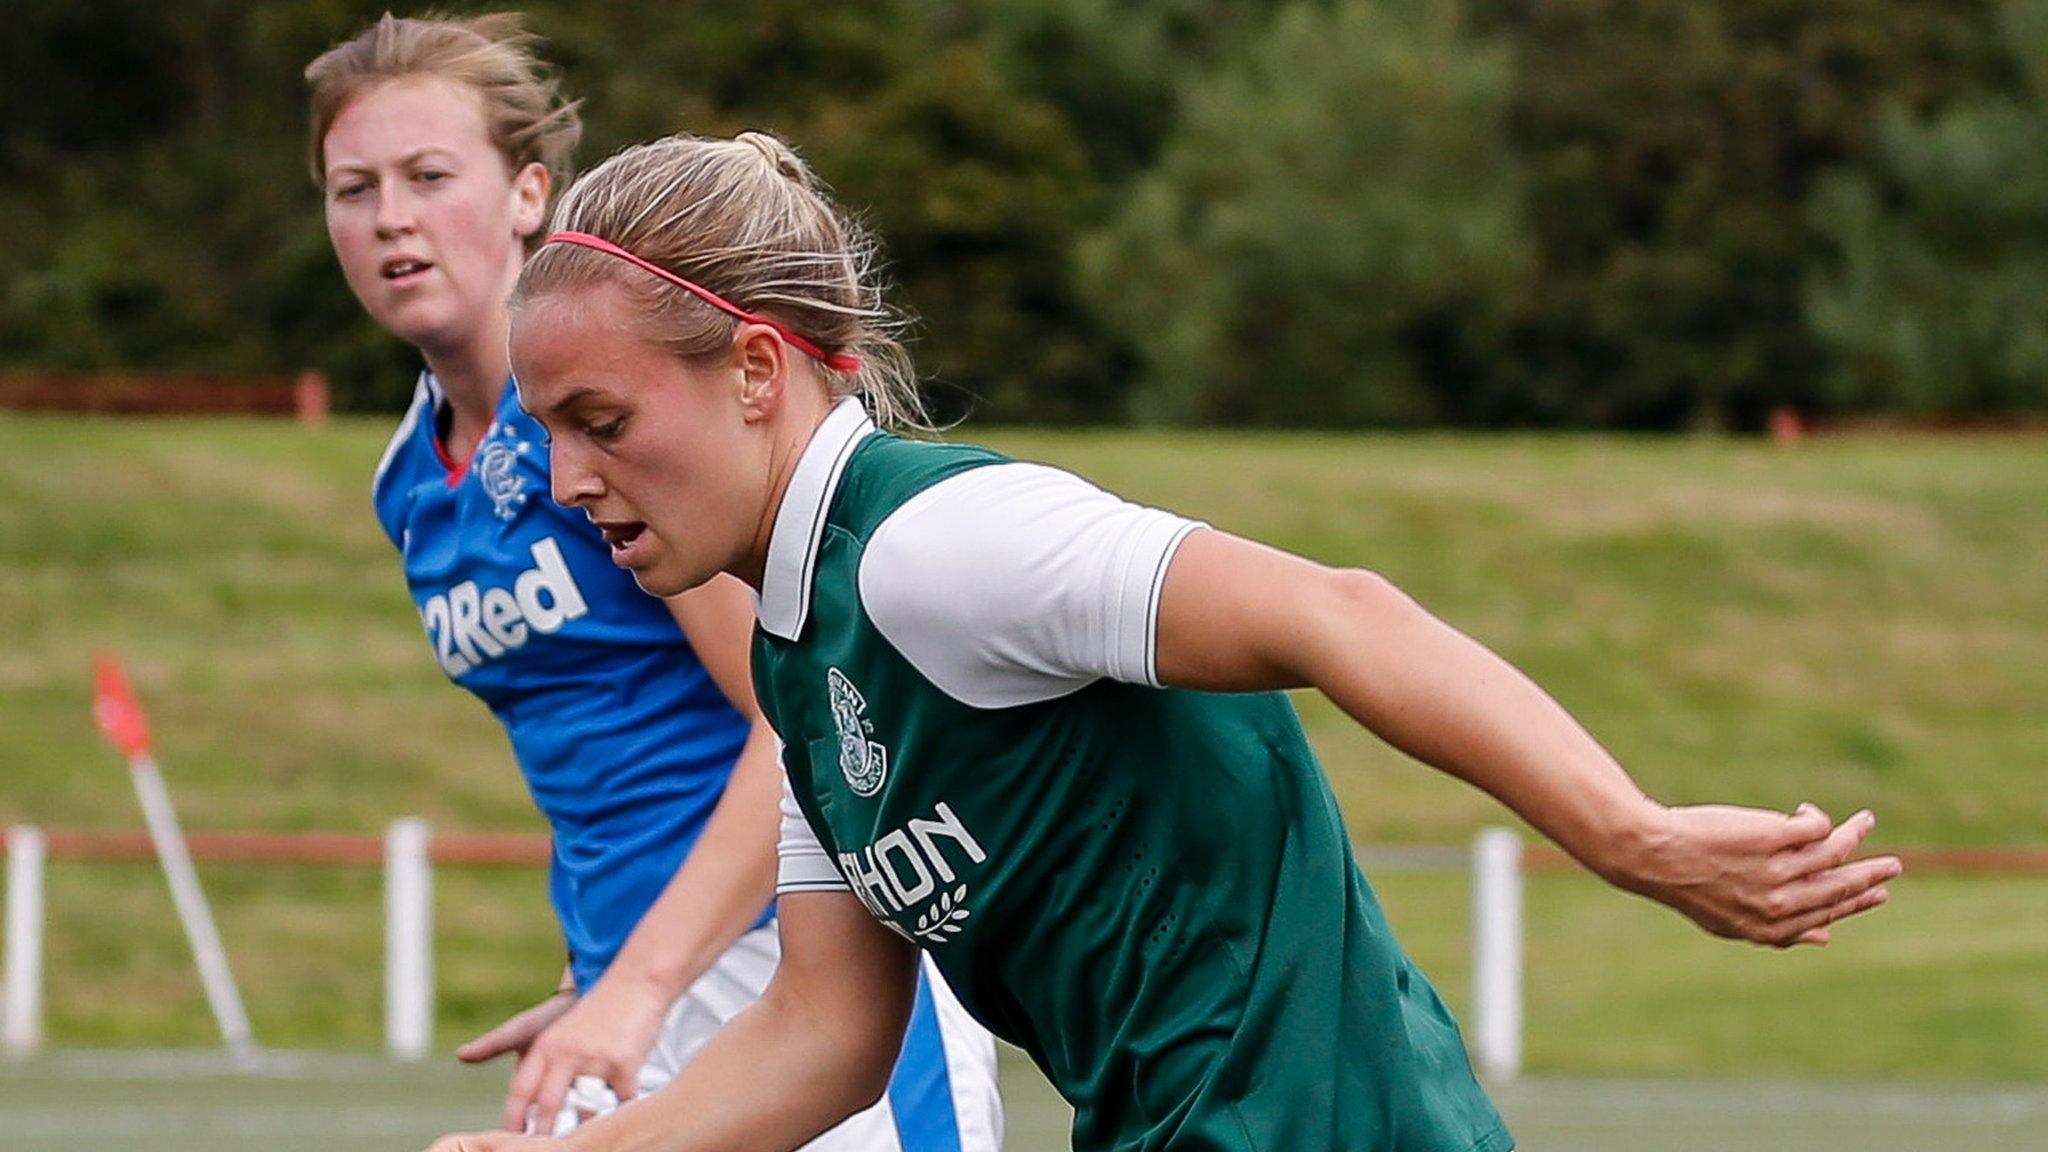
[184, 1103]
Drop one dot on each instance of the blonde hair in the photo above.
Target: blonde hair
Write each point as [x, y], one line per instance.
[748, 220]
[528, 119]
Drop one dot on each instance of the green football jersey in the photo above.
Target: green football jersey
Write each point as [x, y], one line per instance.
[1149, 890]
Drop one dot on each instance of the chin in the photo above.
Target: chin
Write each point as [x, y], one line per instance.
[417, 322]
[664, 583]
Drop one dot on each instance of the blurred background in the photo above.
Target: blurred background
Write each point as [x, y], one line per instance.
[1589, 213]
[1493, 296]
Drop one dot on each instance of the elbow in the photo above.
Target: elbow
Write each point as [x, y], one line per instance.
[1368, 609]
[1348, 611]
[867, 1062]
[864, 1082]
[871, 1091]
[873, 1066]
[1361, 593]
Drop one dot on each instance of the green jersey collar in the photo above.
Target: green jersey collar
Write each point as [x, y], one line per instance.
[800, 521]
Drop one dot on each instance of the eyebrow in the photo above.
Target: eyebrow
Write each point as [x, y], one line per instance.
[407, 160]
[566, 402]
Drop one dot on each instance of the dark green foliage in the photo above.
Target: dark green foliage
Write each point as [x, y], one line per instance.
[1326, 204]
[1118, 69]
[1935, 305]
[157, 185]
[1646, 213]
[1672, 147]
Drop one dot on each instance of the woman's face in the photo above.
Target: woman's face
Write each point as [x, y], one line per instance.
[671, 459]
[426, 218]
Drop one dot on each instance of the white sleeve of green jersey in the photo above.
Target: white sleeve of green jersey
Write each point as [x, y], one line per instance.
[1017, 583]
[802, 864]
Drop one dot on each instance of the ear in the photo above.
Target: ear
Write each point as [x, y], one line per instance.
[530, 187]
[763, 363]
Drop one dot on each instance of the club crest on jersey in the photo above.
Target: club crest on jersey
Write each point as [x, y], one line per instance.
[497, 469]
[864, 762]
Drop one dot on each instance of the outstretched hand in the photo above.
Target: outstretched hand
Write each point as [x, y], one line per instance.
[1762, 876]
[605, 1036]
[519, 1032]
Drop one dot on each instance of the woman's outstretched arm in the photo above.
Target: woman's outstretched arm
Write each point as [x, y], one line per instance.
[1239, 616]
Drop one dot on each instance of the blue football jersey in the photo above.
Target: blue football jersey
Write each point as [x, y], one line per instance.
[625, 740]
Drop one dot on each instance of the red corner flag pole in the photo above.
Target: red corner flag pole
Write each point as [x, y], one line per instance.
[120, 718]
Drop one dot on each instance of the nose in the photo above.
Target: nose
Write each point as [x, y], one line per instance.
[572, 482]
[394, 209]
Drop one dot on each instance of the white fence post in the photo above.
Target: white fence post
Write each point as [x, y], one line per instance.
[1497, 953]
[23, 1001]
[408, 940]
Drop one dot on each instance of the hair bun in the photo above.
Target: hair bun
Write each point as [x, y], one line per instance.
[779, 155]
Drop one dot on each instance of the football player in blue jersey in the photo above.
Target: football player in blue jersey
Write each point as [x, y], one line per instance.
[436, 144]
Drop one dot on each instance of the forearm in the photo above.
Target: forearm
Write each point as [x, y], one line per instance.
[1443, 698]
[721, 888]
[1238, 616]
[815, 1048]
[771, 1079]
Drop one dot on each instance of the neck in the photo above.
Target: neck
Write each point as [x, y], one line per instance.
[803, 414]
[472, 376]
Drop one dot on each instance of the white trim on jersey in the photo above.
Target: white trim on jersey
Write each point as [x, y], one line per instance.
[785, 599]
[1017, 583]
[425, 395]
[802, 864]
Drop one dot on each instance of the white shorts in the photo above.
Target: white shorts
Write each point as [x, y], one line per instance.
[942, 1098]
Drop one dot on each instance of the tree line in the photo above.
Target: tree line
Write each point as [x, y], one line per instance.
[1610, 213]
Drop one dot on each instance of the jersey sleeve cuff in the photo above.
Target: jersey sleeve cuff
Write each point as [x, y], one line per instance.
[1150, 553]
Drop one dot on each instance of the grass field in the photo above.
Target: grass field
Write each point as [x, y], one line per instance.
[329, 1104]
[1856, 622]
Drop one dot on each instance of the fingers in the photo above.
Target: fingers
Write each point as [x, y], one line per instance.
[1800, 911]
[1825, 889]
[466, 1142]
[624, 1081]
[554, 1068]
[554, 1087]
[516, 1034]
[519, 1095]
[1812, 928]
[1830, 850]
[491, 1045]
[1806, 824]
[1759, 831]
[546, 1084]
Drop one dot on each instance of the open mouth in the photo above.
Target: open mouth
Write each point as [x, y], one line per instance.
[400, 267]
[620, 536]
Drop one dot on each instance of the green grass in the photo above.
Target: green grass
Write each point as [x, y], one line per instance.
[1858, 622]
[331, 1104]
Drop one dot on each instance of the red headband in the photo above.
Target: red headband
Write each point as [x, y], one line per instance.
[839, 362]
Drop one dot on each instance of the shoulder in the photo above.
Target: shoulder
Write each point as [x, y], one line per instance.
[397, 467]
[407, 437]
[1008, 501]
[982, 532]
[1017, 582]
[886, 470]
